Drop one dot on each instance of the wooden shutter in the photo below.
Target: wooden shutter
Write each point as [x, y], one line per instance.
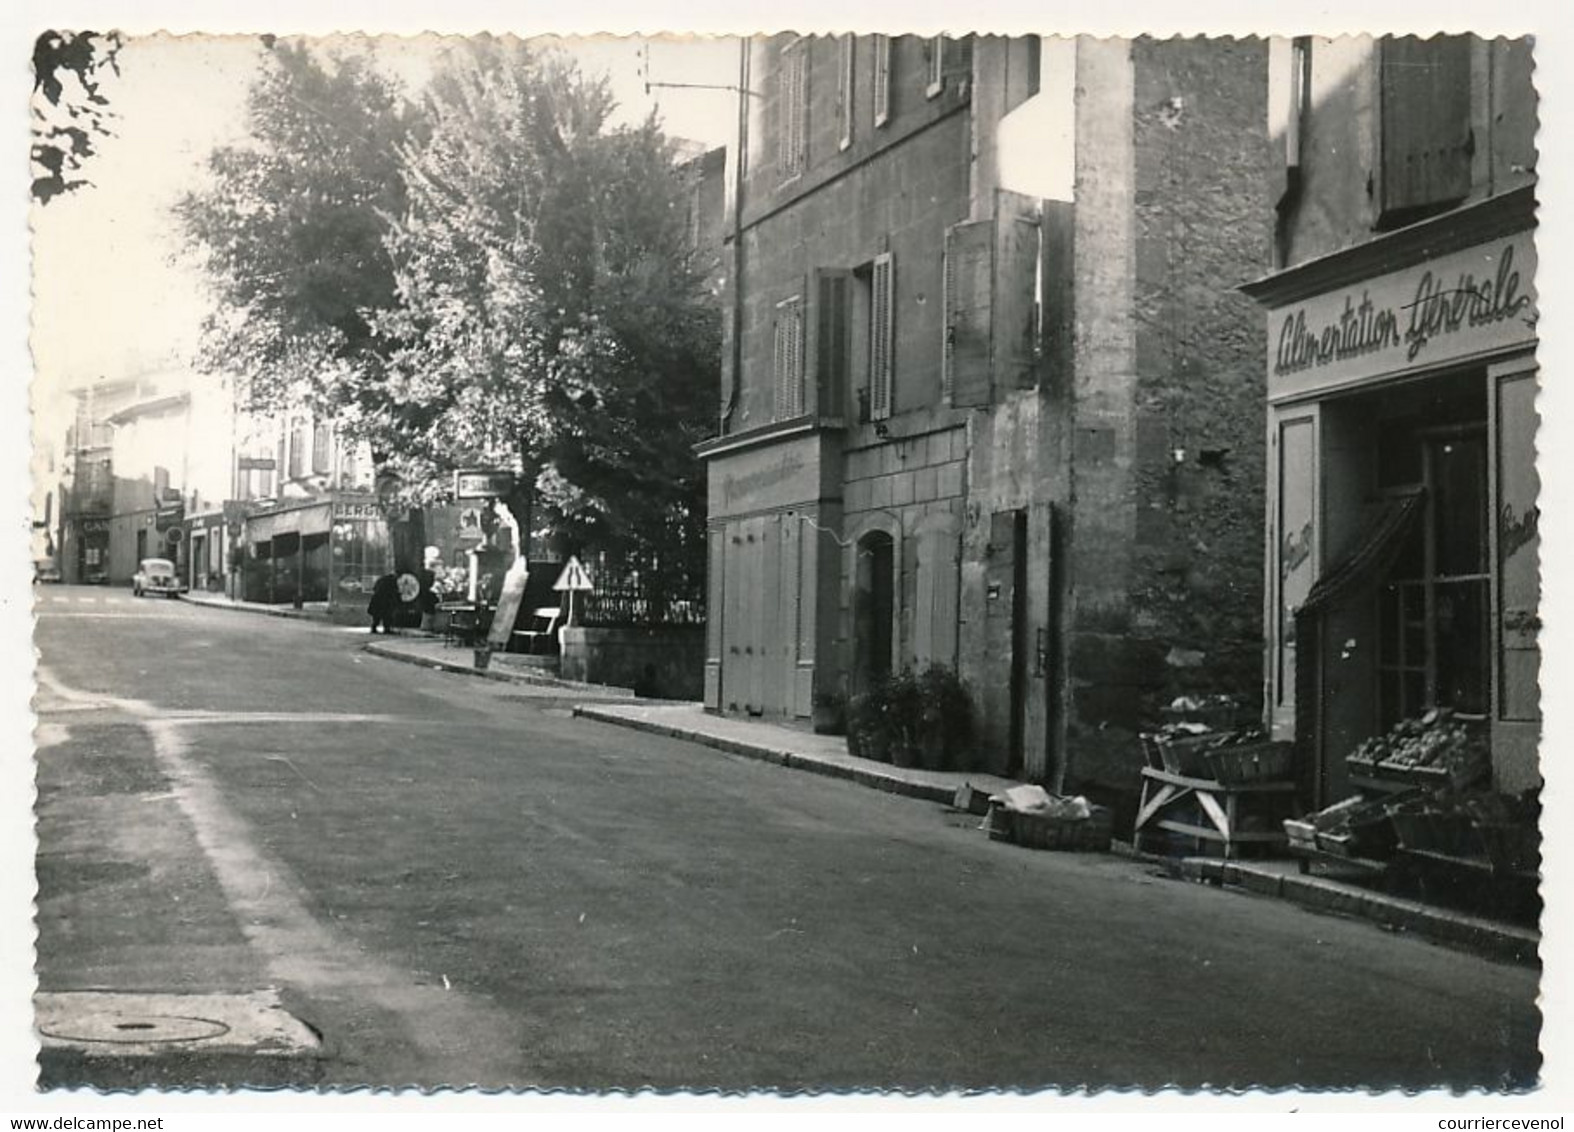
[882, 79]
[1015, 317]
[969, 255]
[845, 50]
[787, 359]
[1426, 142]
[881, 364]
[794, 106]
[832, 348]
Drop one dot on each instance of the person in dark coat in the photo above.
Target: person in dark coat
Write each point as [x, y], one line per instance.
[385, 603]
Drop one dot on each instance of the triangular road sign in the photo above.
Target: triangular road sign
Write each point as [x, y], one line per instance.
[573, 578]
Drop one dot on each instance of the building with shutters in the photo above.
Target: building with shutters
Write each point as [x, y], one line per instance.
[990, 395]
[1402, 503]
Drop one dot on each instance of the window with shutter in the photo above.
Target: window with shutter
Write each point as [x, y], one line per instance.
[320, 465]
[787, 363]
[935, 53]
[1425, 137]
[969, 265]
[880, 338]
[794, 107]
[844, 90]
[882, 79]
[297, 448]
[833, 323]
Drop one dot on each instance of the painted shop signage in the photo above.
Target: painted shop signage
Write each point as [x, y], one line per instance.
[759, 479]
[1462, 305]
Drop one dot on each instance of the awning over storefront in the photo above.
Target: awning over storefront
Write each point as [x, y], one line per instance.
[311, 520]
[1369, 560]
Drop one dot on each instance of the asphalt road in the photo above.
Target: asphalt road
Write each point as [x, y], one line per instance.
[455, 885]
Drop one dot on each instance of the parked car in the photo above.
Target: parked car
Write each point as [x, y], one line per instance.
[156, 576]
[46, 570]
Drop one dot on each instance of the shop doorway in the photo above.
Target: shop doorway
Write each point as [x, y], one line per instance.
[874, 609]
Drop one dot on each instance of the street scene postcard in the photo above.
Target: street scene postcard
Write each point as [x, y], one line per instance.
[784, 564]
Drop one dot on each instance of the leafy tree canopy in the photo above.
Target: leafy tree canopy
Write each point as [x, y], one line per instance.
[70, 109]
[494, 277]
[291, 226]
[549, 313]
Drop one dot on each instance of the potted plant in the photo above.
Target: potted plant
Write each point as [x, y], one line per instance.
[904, 716]
[946, 717]
[868, 736]
[830, 712]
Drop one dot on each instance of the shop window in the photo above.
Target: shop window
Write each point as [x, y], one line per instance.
[1425, 141]
[846, 48]
[793, 107]
[1433, 641]
[880, 81]
[787, 359]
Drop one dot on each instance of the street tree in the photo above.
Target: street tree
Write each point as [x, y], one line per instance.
[70, 110]
[291, 224]
[550, 316]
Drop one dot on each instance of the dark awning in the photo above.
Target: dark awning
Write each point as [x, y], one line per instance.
[1370, 558]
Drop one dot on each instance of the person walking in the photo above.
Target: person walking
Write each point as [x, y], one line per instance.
[385, 603]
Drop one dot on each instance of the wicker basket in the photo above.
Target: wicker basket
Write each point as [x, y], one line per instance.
[1043, 831]
[1251, 762]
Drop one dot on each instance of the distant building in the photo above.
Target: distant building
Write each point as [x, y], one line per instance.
[1401, 371]
[963, 423]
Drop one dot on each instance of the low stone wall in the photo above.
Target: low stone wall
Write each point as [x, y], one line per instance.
[667, 663]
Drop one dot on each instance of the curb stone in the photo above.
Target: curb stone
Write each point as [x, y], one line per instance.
[503, 675]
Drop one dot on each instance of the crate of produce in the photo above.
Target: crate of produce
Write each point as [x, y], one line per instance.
[1186, 755]
[1048, 831]
[1241, 764]
[1511, 848]
[1412, 824]
[1362, 829]
[1300, 834]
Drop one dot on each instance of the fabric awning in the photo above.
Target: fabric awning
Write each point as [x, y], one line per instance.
[1366, 563]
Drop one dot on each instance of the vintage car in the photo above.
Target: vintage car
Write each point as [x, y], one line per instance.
[156, 576]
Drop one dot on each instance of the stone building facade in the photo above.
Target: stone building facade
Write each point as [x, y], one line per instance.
[970, 419]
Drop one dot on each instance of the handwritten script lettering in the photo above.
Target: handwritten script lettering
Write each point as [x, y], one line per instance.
[1438, 307]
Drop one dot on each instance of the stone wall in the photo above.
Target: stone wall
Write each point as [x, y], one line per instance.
[667, 663]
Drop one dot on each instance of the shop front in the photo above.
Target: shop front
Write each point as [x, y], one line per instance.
[1402, 578]
[329, 550]
[774, 570]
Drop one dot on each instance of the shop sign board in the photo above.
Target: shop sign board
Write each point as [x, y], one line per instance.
[1453, 308]
[769, 476]
[483, 483]
[344, 509]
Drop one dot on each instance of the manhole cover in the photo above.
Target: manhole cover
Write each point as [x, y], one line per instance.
[125, 1024]
[133, 1029]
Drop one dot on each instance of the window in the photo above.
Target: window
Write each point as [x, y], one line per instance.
[1432, 627]
[882, 79]
[1425, 141]
[934, 49]
[881, 303]
[320, 463]
[1300, 99]
[787, 359]
[794, 107]
[844, 90]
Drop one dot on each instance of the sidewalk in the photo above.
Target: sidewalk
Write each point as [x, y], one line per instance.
[310, 611]
[415, 647]
[1278, 879]
[790, 747]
